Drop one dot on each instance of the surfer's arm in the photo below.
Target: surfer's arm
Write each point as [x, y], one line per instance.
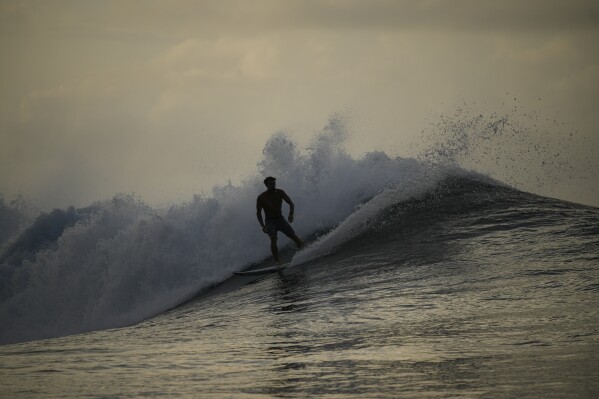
[259, 214]
[291, 205]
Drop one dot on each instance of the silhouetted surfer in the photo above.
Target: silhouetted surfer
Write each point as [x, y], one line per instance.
[271, 202]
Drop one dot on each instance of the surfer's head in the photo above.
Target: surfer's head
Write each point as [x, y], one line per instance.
[270, 182]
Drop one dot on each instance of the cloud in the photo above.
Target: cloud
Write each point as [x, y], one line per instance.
[223, 58]
[174, 20]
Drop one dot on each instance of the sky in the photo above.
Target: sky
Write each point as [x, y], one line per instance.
[168, 98]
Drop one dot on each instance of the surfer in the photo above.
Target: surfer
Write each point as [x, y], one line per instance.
[271, 201]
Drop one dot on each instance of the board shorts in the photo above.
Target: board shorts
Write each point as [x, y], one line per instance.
[279, 224]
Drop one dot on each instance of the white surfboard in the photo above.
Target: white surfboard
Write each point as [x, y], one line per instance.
[266, 270]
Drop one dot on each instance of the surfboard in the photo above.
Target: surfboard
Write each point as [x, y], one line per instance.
[266, 270]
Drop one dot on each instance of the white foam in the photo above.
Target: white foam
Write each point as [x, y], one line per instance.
[128, 261]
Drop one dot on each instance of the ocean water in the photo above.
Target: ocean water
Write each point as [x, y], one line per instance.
[420, 281]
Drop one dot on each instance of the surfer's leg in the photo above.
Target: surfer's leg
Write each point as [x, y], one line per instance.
[298, 241]
[274, 249]
[288, 231]
[271, 228]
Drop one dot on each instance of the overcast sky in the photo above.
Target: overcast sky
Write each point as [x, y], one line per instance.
[168, 98]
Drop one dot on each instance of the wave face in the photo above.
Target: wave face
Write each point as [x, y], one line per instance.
[463, 210]
[120, 261]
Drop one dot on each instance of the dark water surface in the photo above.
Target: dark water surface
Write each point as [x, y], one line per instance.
[490, 293]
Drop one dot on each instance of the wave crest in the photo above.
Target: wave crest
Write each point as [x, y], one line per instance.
[120, 261]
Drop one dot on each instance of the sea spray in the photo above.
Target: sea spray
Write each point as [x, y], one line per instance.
[15, 215]
[515, 145]
[123, 261]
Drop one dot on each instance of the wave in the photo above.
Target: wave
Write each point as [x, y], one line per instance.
[377, 214]
[15, 216]
[120, 260]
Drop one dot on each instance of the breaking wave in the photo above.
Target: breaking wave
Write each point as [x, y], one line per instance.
[120, 260]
